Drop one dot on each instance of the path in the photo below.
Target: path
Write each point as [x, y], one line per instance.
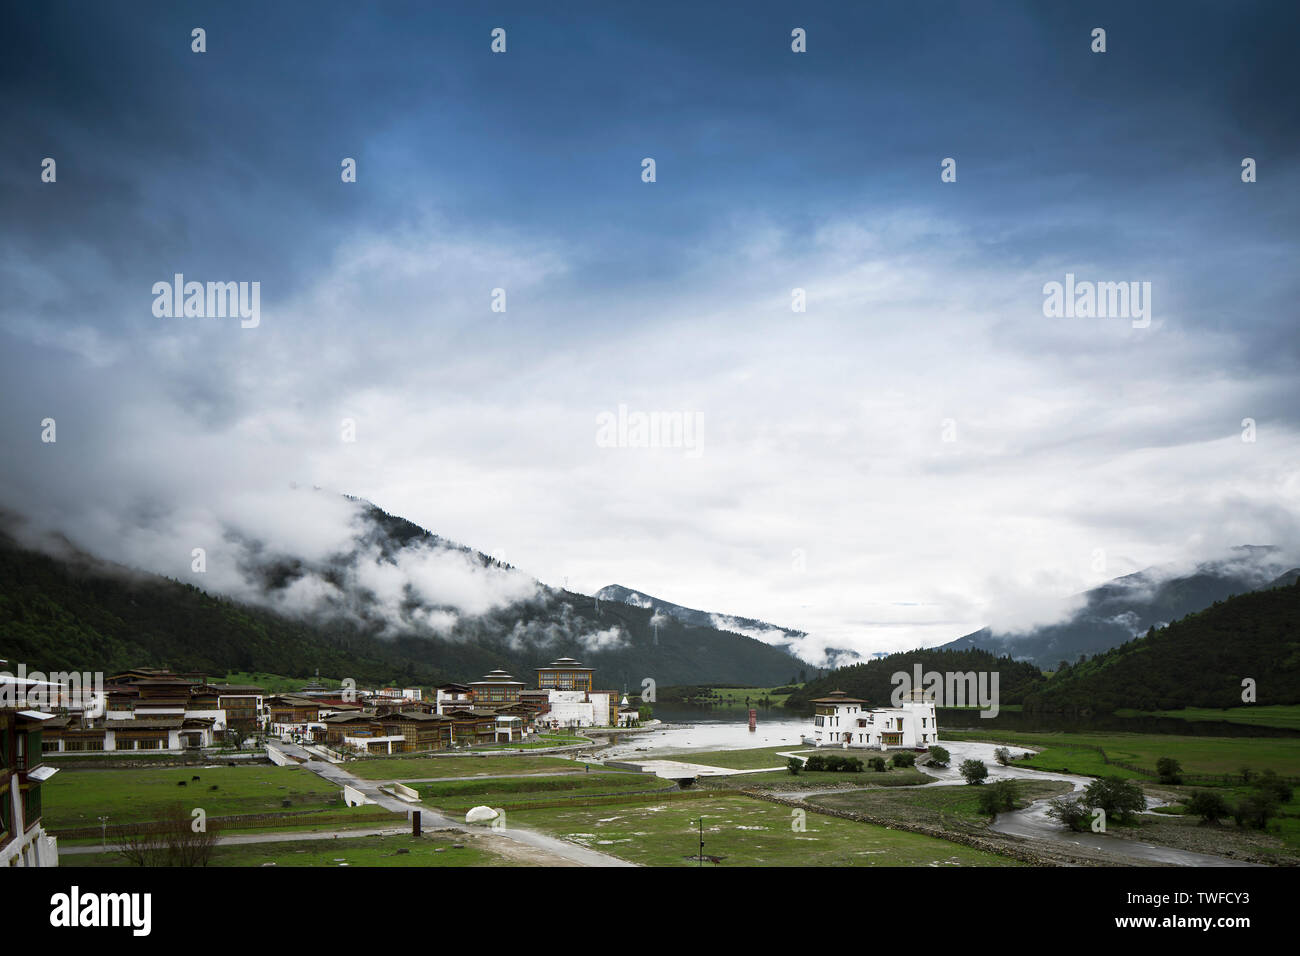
[554, 848]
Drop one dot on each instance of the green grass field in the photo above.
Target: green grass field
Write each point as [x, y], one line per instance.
[1286, 716]
[758, 758]
[429, 850]
[416, 768]
[1198, 755]
[744, 832]
[76, 798]
[460, 795]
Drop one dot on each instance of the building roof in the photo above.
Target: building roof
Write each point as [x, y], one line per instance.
[145, 723]
[497, 677]
[238, 689]
[566, 663]
[838, 697]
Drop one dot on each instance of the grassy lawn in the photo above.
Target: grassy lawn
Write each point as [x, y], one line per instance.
[1286, 716]
[414, 768]
[429, 850]
[460, 795]
[1208, 755]
[759, 758]
[76, 798]
[941, 805]
[744, 832]
[783, 780]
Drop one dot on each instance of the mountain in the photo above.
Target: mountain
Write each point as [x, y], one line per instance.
[397, 604]
[1125, 607]
[872, 680]
[1199, 661]
[782, 637]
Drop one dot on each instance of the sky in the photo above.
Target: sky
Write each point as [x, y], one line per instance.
[920, 452]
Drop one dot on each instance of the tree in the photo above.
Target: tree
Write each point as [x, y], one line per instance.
[1256, 809]
[939, 757]
[1120, 798]
[175, 840]
[1169, 770]
[904, 759]
[1070, 812]
[878, 764]
[1003, 755]
[974, 771]
[794, 765]
[1211, 807]
[1000, 796]
[1271, 782]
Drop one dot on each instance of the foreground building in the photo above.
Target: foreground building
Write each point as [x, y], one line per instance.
[843, 721]
[23, 841]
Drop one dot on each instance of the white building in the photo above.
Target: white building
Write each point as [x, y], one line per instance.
[576, 708]
[843, 721]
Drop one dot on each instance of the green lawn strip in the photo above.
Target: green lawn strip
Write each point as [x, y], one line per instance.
[1285, 716]
[335, 818]
[1198, 755]
[414, 768]
[470, 793]
[759, 758]
[77, 798]
[743, 832]
[273, 683]
[428, 850]
[784, 780]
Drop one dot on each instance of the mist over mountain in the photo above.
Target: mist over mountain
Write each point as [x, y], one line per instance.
[1120, 610]
[789, 639]
[389, 598]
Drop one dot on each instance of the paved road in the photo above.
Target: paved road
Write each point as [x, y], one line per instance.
[432, 820]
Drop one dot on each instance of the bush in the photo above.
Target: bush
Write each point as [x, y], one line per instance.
[1271, 782]
[939, 756]
[904, 759]
[1211, 807]
[1169, 770]
[1003, 755]
[815, 763]
[974, 771]
[1002, 795]
[1256, 809]
[794, 765]
[1070, 812]
[1120, 798]
[878, 764]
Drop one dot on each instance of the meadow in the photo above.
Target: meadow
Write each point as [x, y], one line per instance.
[744, 832]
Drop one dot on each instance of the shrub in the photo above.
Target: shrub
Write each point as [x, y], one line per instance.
[904, 759]
[939, 756]
[1003, 755]
[974, 771]
[1271, 782]
[878, 764]
[1256, 809]
[1000, 796]
[815, 763]
[1070, 812]
[1169, 770]
[1211, 807]
[794, 765]
[1120, 798]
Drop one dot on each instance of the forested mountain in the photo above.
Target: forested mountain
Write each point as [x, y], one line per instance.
[786, 638]
[1126, 607]
[1199, 661]
[872, 680]
[372, 623]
